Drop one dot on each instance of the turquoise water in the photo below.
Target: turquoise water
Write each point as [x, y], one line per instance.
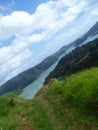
[30, 91]
[90, 38]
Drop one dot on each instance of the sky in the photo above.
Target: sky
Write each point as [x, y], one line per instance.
[31, 30]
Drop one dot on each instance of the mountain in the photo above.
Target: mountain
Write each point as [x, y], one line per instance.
[25, 78]
[20, 81]
[80, 58]
[71, 104]
[93, 31]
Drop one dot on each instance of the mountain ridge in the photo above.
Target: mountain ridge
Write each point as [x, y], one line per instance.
[25, 78]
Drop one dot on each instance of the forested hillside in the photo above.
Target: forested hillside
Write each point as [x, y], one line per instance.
[81, 58]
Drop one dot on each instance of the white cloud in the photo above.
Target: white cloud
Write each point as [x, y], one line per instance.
[51, 23]
[51, 18]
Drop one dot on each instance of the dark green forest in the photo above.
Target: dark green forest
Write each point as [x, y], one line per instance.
[81, 58]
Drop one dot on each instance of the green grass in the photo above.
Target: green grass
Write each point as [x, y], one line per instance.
[71, 104]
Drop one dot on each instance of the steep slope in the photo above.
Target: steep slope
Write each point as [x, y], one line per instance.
[68, 105]
[19, 82]
[82, 57]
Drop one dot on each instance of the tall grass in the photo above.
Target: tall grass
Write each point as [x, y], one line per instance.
[71, 104]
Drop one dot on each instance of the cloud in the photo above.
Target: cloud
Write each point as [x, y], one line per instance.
[51, 15]
[52, 23]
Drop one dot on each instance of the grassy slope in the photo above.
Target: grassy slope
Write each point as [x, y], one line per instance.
[68, 105]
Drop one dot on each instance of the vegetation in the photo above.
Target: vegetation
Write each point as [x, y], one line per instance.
[71, 104]
[81, 58]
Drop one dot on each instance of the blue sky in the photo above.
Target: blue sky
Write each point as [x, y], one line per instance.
[24, 5]
[27, 5]
[31, 30]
